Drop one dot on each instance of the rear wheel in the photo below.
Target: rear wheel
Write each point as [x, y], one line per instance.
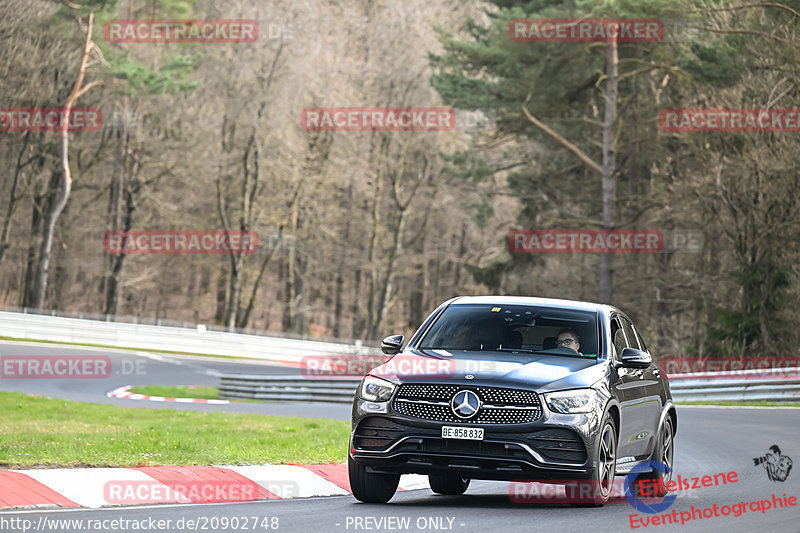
[605, 469]
[663, 454]
[449, 485]
[369, 487]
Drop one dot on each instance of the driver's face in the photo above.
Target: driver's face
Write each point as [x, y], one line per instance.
[568, 340]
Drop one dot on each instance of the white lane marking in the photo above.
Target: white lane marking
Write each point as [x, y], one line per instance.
[289, 481]
[157, 357]
[414, 482]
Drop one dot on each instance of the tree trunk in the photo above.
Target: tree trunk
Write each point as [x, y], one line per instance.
[251, 303]
[12, 201]
[290, 289]
[222, 283]
[343, 249]
[57, 207]
[609, 166]
[386, 289]
[41, 204]
[113, 287]
[358, 321]
[111, 281]
[371, 254]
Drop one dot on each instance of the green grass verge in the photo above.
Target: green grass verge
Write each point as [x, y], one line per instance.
[201, 393]
[745, 404]
[46, 432]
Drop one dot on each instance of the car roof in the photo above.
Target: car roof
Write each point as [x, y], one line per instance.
[529, 300]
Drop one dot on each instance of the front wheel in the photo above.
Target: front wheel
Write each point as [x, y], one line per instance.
[369, 487]
[605, 466]
[448, 485]
[663, 454]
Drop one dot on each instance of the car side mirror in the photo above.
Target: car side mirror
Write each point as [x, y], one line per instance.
[392, 344]
[633, 358]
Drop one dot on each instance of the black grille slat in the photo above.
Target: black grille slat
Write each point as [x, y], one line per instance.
[492, 398]
[559, 444]
[376, 433]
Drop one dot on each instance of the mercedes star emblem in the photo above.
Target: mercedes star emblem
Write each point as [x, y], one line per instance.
[465, 404]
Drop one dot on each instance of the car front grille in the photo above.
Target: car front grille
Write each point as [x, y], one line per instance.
[500, 406]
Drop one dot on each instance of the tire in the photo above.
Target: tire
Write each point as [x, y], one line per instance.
[448, 485]
[368, 487]
[602, 475]
[664, 453]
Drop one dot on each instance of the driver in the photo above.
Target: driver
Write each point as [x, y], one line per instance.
[567, 338]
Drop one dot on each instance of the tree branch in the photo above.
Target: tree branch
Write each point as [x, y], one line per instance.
[561, 140]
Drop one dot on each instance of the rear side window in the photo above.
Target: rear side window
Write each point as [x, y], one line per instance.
[628, 327]
[618, 336]
[641, 340]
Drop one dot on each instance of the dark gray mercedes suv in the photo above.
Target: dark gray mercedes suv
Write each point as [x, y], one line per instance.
[512, 388]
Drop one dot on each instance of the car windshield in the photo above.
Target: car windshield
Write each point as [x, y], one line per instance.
[513, 328]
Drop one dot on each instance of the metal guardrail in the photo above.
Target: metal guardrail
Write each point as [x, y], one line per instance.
[691, 390]
[165, 322]
[172, 339]
[233, 386]
[684, 389]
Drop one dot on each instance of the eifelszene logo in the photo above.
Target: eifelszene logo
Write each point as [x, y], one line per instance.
[777, 466]
[631, 479]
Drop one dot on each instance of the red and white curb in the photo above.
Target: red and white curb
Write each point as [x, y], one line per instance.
[104, 487]
[122, 392]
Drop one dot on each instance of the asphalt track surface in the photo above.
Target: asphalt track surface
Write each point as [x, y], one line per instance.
[709, 441]
[129, 367]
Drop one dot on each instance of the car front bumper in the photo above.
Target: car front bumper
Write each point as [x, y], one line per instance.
[553, 447]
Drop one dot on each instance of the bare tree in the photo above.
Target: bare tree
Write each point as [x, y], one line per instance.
[65, 185]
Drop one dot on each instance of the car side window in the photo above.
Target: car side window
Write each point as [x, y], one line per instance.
[618, 335]
[628, 327]
[641, 340]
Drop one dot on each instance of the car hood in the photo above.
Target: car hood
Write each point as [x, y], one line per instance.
[539, 372]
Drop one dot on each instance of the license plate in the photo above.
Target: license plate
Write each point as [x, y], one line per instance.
[451, 432]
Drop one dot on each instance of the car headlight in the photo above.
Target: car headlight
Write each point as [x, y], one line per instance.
[572, 401]
[375, 389]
